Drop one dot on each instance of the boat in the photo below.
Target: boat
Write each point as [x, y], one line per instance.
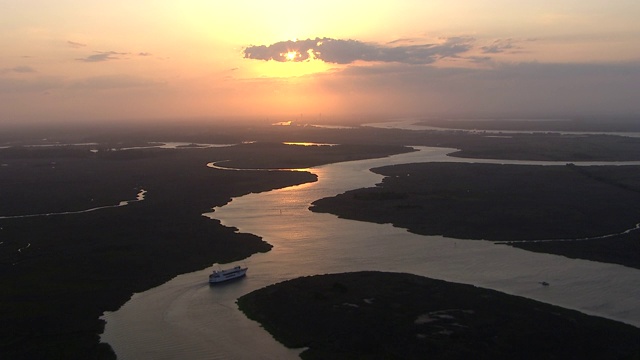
[218, 276]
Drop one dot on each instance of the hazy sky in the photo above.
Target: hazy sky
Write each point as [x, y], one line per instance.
[87, 59]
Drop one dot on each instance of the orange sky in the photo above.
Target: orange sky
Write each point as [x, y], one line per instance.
[95, 60]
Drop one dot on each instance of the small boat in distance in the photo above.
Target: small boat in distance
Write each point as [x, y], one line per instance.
[218, 276]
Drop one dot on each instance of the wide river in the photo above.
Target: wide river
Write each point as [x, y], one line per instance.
[186, 318]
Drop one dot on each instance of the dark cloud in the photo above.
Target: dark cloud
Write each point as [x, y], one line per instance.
[405, 41]
[75, 44]
[340, 51]
[144, 54]
[479, 59]
[498, 46]
[504, 45]
[102, 56]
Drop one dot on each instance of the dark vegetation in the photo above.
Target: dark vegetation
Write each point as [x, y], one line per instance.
[553, 147]
[373, 315]
[507, 203]
[61, 272]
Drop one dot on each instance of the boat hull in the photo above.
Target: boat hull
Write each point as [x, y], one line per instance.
[220, 276]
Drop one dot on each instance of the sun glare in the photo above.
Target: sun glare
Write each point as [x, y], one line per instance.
[290, 63]
[291, 55]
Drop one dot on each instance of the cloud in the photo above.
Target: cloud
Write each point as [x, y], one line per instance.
[504, 45]
[405, 41]
[102, 56]
[75, 44]
[340, 51]
[113, 82]
[19, 69]
[480, 59]
[498, 46]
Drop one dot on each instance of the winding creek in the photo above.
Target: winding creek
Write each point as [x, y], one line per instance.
[186, 318]
[139, 197]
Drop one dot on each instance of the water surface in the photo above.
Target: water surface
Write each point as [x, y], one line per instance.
[187, 318]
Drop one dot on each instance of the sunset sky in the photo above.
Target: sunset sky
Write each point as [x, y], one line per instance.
[94, 60]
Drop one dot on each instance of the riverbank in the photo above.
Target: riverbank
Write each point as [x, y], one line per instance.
[402, 316]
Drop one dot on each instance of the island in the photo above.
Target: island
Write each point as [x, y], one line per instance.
[378, 315]
[587, 212]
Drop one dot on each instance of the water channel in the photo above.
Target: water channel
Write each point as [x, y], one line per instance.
[186, 318]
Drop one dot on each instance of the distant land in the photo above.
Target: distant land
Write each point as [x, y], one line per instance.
[581, 124]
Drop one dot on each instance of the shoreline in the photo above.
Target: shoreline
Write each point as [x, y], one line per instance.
[537, 208]
[405, 316]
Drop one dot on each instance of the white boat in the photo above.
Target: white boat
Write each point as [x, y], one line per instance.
[218, 276]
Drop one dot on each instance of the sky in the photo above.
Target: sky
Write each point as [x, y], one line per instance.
[89, 60]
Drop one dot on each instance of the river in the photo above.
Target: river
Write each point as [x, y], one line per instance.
[186, 318]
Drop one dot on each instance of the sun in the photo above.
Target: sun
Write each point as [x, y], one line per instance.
[291, 55]
[289, 63]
